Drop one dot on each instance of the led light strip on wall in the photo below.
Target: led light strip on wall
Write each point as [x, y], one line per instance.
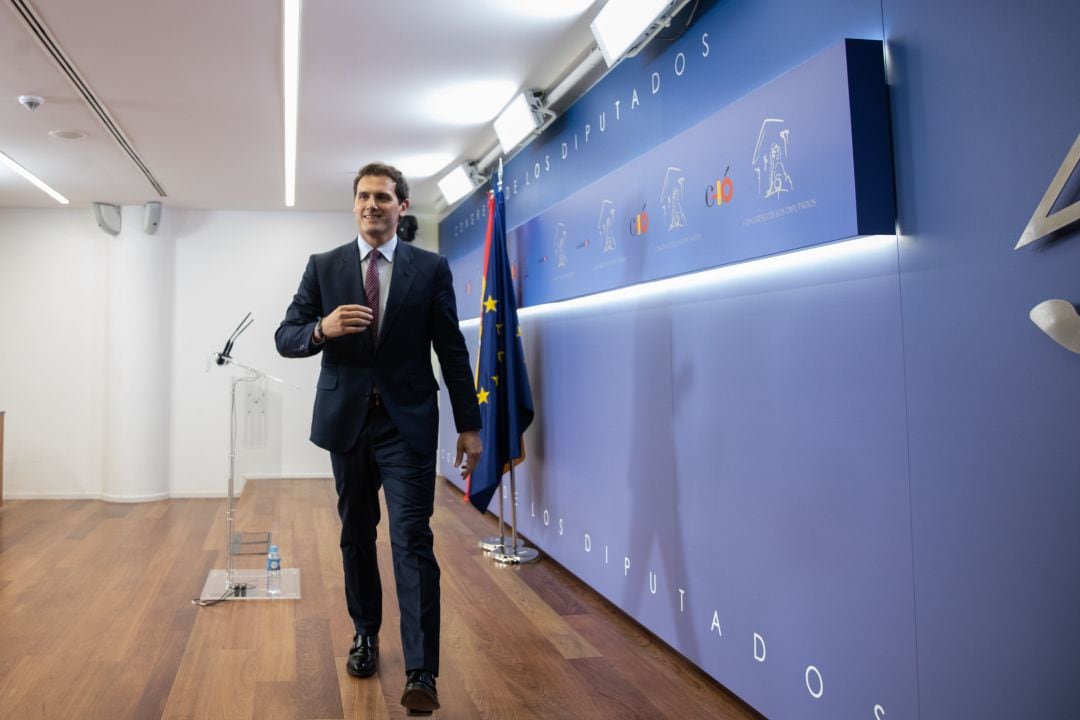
[784, 262]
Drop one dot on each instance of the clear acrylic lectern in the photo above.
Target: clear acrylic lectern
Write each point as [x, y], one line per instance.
[233, 583]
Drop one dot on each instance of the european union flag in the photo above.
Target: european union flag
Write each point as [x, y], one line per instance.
[502, 383]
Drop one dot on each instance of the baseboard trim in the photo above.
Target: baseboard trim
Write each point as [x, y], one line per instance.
[86, 496]
[196, 495]
[8, 495]
[291, 476]
[106, 498]
[135, 498]
[206, 495]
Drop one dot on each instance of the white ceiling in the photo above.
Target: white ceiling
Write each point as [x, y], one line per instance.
[195, 86]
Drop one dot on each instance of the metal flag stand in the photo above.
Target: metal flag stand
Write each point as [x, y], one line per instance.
[491, 543]
[515, 552]
[232, 583]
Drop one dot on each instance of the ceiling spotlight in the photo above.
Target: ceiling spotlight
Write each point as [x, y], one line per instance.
[31, 102]
[459, 182]
[621, 23]
[519, 120]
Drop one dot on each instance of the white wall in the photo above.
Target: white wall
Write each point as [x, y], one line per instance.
[53, 308]
[138, 359]
[54, 290]
[228, 264]
[427, 233]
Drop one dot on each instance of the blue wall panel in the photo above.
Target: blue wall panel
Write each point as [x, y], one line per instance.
[870, 463]
[792, 476]
[985, 106]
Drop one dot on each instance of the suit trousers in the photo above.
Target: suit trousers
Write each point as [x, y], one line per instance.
[382, 457]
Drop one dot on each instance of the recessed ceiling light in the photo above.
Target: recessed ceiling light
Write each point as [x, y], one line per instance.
[67, 134]
[470, 103]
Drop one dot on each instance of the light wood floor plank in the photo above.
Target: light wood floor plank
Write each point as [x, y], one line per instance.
[96, 622]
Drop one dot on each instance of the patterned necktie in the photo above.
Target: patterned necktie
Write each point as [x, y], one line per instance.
[371, 289]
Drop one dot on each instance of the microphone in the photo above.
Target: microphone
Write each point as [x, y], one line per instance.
[223, 356]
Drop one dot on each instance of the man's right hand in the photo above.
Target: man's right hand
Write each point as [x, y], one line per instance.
[346, 320]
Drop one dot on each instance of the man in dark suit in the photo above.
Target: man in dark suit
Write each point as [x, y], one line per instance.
[375, 307]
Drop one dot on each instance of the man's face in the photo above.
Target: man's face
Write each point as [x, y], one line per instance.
[377, 208]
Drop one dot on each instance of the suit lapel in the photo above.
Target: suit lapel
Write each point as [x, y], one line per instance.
[349, 269]
[401, 279]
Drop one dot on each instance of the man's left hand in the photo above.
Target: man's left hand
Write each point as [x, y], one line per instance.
[471, 447]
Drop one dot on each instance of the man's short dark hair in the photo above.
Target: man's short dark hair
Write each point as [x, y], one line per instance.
[401, 188]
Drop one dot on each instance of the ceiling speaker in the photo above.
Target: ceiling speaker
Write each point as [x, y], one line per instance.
[152, 218]
[107, 217]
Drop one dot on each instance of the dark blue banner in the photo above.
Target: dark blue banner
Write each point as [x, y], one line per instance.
[801, 161]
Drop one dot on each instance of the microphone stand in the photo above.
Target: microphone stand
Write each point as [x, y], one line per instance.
[230, 582]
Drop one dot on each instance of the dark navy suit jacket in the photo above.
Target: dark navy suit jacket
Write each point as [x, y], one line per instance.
[421, 313]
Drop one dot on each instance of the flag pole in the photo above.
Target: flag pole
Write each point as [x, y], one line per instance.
[516, 554]
[492, 543]
[497, 543]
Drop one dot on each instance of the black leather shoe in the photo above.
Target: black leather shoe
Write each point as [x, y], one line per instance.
[420, 696]
[363, 656]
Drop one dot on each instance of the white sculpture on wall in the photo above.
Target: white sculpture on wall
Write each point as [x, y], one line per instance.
[1057, 318]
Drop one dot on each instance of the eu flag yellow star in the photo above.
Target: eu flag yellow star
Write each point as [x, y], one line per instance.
[490, 303]
[482, 396]
[496, 379]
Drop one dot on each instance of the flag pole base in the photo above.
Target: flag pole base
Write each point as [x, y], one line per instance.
[522, 556]
[493, 543]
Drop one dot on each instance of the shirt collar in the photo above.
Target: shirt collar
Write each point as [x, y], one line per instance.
[387, 249]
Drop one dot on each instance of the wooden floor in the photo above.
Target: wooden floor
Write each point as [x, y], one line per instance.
[96, 621]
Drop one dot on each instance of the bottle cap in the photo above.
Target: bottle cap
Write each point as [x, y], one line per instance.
[273, 548]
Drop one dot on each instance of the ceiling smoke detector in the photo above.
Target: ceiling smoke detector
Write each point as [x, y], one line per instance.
[31, 102]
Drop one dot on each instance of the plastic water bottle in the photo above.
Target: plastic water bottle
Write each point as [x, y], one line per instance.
[273, 572]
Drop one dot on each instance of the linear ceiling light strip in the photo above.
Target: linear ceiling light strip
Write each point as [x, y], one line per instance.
[45, 39]
[33, 179]
[291, 91]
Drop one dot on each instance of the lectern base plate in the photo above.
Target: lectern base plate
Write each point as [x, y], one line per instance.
[217, 583]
